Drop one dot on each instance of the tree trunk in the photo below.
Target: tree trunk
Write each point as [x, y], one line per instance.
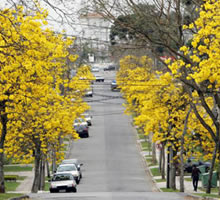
[168, 168]
[2, 183]
[160, 160]
[4, 121]
[154, 158]
[36, 182]
[54, 167]
[172, 170]
[42, 175]
[219, 178]
[208, 189]
[48, 169]
[182, 152]
[163, 161]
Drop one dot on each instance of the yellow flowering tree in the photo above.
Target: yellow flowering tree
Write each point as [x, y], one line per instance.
[200, 72]
[35, 113]
[161, 106]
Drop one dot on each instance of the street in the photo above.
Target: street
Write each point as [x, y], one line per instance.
[112, 165]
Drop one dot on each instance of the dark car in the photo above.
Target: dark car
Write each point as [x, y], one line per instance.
[81, 127]
[114, 86]
[110, 68]
[64, 182]
[192, 161]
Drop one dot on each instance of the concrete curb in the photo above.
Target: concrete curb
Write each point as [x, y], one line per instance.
[21, 197]
[147, 169]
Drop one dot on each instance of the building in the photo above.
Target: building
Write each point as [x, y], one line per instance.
[95, 31]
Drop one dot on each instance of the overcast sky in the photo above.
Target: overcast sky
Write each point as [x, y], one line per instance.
[56, 19]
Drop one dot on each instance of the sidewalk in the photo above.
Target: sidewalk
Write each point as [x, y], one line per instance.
[188, 187]
[26, 184]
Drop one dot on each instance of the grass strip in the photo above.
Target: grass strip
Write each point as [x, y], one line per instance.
[207, 195]
[9, 195]
[214, 190]
[168, 190]
[155, 171]
[160, 180]
[47, 186]
[17, 168]
[11, 186]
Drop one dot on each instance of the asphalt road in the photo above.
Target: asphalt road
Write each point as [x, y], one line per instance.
[113, 168]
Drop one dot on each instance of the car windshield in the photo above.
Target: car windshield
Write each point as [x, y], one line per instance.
[70, 161]
[62, 177]
[64, 168]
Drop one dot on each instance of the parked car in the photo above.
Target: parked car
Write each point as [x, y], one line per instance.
[89, 93]
[110, 68]
[192, 161]
[114, 85]
[69, 168]
[74, 161]
[95, 69]
[99, 78]
[88, 118]
[63, 182]
[81, 127]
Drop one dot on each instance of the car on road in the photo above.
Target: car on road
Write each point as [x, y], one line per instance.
[114, 85]
[74, 161]
[88, 118]
[63, 182]
[99, 78]
[69, 168]
[95, 69]
[110, 68]
[81, 127]
[89, 93]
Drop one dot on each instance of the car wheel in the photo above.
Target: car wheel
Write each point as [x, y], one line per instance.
[52, 191]
[74, 190]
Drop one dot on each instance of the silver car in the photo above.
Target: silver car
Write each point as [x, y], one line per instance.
[74, 161]
[63, 182]
[69, 168]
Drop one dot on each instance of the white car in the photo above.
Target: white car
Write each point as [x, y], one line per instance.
[74, 161]
[89, 93]
[69, 168]
[95, 69]
[88, 118]
[99, 78]
[63, 182]
[79, 121]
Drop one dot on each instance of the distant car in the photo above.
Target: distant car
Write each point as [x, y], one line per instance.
[63, 182]
[88, 118]
[74, 161]
[110, 68]
[114, 85]
[69, 168]
[99, 78]
[191, 161]
[95, 69]
[81, 127]
[89, 93]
